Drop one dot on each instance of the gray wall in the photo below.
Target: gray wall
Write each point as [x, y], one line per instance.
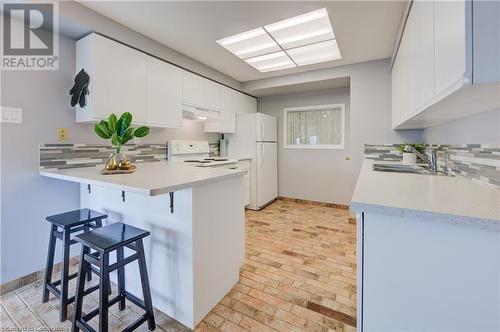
[326, 175]
[481, 128]
[26, 197]
[307, 173]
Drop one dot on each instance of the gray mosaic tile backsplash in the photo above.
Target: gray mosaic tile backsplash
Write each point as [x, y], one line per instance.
[61, 156]
[480, 162]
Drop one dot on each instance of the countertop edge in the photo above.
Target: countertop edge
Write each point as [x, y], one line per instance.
[451, 219]
[143, 191]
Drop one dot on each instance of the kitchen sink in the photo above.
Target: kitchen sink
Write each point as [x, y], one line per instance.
[413, 169]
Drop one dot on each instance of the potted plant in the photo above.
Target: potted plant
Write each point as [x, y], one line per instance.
[119, 131]
[409, 157]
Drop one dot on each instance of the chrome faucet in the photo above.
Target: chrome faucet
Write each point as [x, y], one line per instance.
[430, 159]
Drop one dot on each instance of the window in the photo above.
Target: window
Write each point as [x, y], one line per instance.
[315, 127]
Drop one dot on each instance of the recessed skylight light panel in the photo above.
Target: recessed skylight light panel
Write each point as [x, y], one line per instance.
[296, 41]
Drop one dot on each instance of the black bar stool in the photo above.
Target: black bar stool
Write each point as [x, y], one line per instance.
[105, 240]
[68, 222]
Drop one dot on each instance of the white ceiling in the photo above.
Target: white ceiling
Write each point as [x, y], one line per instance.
[365, 30]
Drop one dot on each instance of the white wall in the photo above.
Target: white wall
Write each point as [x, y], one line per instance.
[26, 197]
[481, 128]
[326, 175]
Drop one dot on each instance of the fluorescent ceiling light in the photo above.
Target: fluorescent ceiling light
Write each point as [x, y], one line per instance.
[241, 36]
[249, 44]
[315, 53]
[271, 62]
[303, 36]
[266, 57]
[307, 17]
[256, 48]
[202, 117]
[296, 41]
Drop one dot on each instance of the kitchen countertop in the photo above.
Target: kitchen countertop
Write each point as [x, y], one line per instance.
[442, 198]
[152, 178]
[240, 158]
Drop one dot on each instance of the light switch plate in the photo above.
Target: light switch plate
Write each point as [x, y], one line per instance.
[11, 115]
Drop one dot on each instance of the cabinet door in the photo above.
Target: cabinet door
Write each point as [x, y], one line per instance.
[450, 52]
[191, 89]
[118, 80]
[230, 105]
[420, 32]
[399, 84]
[164, 94]
[200, 92]
[396, 88]
[210, 94]
[245, 166]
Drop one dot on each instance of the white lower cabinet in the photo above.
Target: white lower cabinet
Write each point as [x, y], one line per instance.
[245, 165]
[417, 273]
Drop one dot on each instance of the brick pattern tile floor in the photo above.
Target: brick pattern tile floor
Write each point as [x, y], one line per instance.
[299, 275]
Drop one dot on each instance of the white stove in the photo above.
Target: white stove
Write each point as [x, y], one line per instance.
[197, 153]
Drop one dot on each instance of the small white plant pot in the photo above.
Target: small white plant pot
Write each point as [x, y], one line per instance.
[409, 158]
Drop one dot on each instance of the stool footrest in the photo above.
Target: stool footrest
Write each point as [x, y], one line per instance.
[71, 276]
[86, 292]
[84, 326]
[137, 323]
[95, 312]
[134, 299]
[54, 290]
[123, 262]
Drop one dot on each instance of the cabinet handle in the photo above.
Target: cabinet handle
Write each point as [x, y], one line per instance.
[171, 202]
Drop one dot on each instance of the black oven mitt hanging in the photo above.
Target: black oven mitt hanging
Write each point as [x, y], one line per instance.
[79, 91]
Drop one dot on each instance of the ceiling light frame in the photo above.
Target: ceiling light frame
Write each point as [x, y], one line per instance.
[269, 42]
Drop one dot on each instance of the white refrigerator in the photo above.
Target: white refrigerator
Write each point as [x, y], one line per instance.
[256, 137]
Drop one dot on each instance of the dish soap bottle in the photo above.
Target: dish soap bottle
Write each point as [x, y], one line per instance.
[222, 147]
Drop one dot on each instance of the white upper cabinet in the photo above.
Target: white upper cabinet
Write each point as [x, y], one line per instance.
[449, 44]
[441, 44]
[117, 79]
[123, 79]
[420, 55]
[164, 94]
[399, 77]
[200, 92]
[232, 104]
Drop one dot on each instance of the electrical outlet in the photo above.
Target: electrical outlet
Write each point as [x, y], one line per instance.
[62, 134]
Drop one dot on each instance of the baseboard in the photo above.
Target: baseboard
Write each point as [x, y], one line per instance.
[305, 201]
[32, 277]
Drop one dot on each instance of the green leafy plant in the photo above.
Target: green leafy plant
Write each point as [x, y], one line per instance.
[119, 130]
[418, 147]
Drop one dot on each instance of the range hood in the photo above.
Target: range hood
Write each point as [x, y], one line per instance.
[197, 113]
